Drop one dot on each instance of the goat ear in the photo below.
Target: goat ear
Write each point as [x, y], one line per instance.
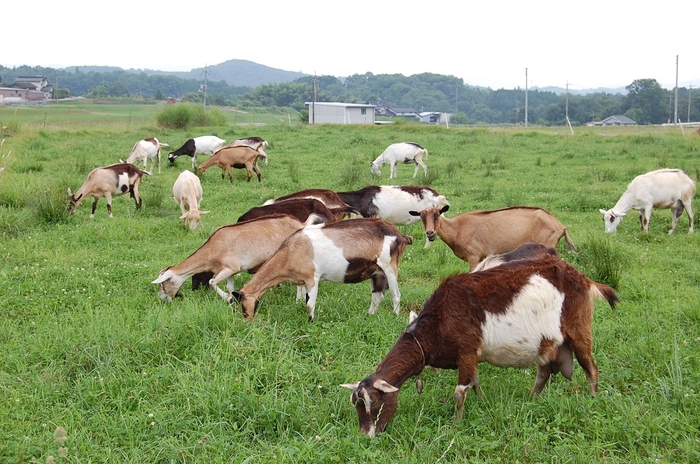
[384, 386]
[69, 192]
[444, 209]
[204, 212]
[237, 296]
[414, 213]
[412, 316]
[602, 211]
[162, 277]
[351, 386]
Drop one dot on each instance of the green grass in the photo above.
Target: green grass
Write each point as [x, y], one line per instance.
[86, 344]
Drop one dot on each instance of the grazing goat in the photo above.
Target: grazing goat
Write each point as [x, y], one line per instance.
[299, 208]
[233, 157]
[532, 312]
[475, 235]
[393, 203]
[231, 249]
[349, 251]
[663, 189]
[208, 144]
[144, 150]
[256, 143]
[187, 192]
[327, 197]
[403, 152]
[116, 179]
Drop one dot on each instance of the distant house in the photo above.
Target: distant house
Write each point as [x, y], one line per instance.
[340, 113]
[434, 117]
[27, 89]
[616, 120]
[397, 112]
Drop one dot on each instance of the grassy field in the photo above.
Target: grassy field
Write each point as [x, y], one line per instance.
[86, 345]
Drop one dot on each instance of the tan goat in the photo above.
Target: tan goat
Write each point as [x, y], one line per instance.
[116, 179]
[231, 249]
[475, 235]
[233, 157]
[187, 192]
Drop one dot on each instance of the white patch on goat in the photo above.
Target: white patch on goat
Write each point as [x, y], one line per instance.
[512, 339]
[394, 204]
[329, 259]
[122, 181]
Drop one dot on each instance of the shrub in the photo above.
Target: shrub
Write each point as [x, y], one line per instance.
[183, 116]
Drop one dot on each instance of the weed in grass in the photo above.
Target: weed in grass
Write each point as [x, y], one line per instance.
[293, 170]
[352, 171]
[50, 206]
[26, 167]
[601, 261]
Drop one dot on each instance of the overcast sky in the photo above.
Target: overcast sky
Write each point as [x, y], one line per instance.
[587, 44]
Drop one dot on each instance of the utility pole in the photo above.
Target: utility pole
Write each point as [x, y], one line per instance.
[690, 86]
[675, 110]
[456, 99]
[567, 102]
[204, 104]
[525, 97]
[314, 86]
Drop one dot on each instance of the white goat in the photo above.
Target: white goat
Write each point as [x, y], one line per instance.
[144, 150]
[663, 189]
[208, 144]
[116, 179]
[256, 143]
[187, 192]
[403, 152]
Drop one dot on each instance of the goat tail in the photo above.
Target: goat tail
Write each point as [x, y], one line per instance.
[569, 242]
[604, 292]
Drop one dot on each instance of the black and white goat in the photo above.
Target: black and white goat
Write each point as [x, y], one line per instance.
[529, 312]
[343, 252]
[208, 144]
[116, 179]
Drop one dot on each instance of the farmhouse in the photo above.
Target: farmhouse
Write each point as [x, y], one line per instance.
[340, 113]
[27, 89]
[616, 120]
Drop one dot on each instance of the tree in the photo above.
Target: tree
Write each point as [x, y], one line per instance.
[648, 100]
[159, 95]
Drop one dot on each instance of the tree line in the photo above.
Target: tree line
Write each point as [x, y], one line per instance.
[646, 102]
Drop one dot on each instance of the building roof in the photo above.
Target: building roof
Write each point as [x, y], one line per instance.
[343, 105]
[619, 119]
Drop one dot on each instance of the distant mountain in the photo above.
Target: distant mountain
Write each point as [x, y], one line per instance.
[241, 73]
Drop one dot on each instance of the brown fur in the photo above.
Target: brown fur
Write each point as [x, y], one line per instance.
[233, 157]
[447, 334]
[475, 235]
[300, 208]
[104, 182]
[325, 196]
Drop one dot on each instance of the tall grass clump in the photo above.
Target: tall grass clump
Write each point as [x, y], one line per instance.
[183, 116]
[601, 261]
[50, 206]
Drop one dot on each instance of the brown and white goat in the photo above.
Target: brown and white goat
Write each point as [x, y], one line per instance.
[231, 249]
[531, 312]
[300, 208]
[233, 157]
[144, 150]
[349, 251]
[325, 196]
[116, 179]
[187, 192]
[475, 235]
[256, 143]
[527, 251]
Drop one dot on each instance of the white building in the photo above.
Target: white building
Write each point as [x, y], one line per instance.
[340, 113]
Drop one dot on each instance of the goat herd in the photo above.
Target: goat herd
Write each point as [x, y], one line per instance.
[521, 305]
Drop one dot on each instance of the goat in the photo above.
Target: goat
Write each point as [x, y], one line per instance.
[325, 196]
[208, 144]
[231, 249]
[402, 152]
[663, 188]
[475, 235]
[532, 312]
[300, 208]
[393, 203]
[233, 157]
[144, 150]
[349, 251]
[256, 143]
[187, 192]
[527, 251]
[116, 179]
